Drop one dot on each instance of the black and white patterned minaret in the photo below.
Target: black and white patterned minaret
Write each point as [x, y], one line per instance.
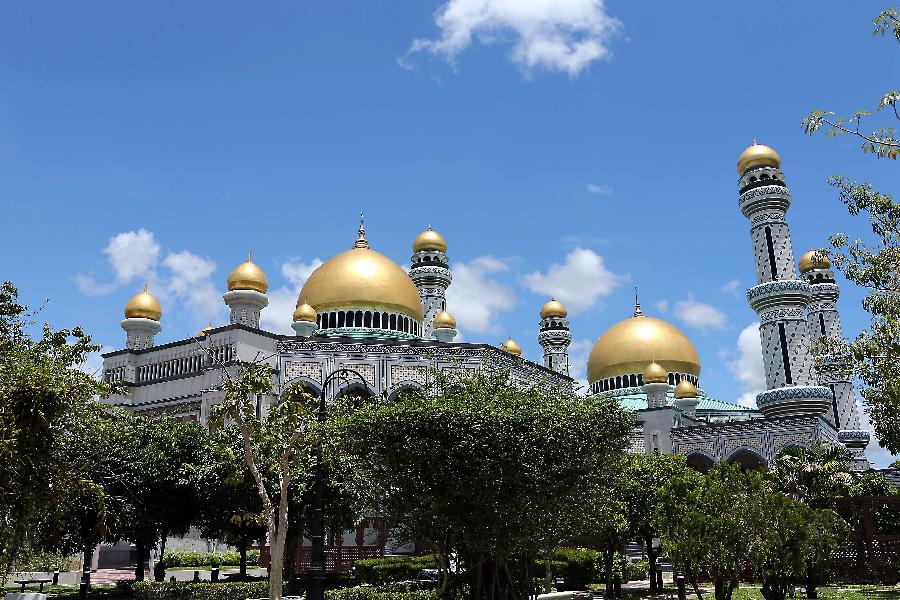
[555, 337]
[824, 322]
[431, 273]
[779, 297]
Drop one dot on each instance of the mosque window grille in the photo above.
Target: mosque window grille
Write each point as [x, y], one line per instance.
[370, 320]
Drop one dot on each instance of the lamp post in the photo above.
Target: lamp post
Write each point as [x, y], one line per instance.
[316, 589]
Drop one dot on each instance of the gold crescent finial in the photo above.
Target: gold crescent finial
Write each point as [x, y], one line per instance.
[637, 304]
[361, 241]
[249, 255]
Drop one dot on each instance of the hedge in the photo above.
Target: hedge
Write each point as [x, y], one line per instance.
[371, 593]
[380, 571]
[186, 590]
[636, 570]
[579, 570]
[205, 559]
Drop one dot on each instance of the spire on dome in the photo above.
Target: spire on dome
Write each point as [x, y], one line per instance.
[637, 304]
[361, 241]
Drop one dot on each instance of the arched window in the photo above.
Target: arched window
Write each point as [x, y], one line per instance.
[671, 379]
[343, 320]
[332, 320]
[376, 320]
[393, 323]
[358, 318]
[640, 379]
[367, 319]
[632, 380]
[618, 381]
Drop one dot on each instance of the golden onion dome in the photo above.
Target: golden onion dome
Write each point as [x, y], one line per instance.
[627, 347]
[205, 330]
[685, 389]
[248, 276]
[143, 306]
[362, 277]
[654, 373]
[429, 240]
[444, 320]
[757, 155]
[814, 259]
[305, 313]
[554, 308]
[512, 347]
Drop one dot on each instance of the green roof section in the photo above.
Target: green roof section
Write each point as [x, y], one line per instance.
[635, 399]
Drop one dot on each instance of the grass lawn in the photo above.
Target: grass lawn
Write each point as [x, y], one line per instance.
[856, 592]
[97, 592]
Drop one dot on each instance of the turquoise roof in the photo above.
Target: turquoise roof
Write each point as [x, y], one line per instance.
[635, 399]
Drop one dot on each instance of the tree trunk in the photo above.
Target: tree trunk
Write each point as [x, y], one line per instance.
[140, 548]
[243, 552]
[651, 561]
[548, 573]
[693, 580]
[723, 589]
[608, 555]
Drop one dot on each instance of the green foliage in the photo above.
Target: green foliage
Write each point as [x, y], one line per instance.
[35, 560]
[579, 566]
[380, 571]
[637, 570]
[814, 475]
[186, 590]
[177, 558]
[491, 471]
[371, 593]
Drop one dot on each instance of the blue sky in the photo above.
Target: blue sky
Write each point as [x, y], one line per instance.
[575, 148]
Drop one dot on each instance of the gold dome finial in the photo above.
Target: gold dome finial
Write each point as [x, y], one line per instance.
[430, 240]
[143, 306]
[637, 304]
[306, 313]
[444, 320]
[685, 389]
[757, 155]
[655, 373]
[512, 347]
[248, 276]
[554, 308]
[813, 259]
[361, 241]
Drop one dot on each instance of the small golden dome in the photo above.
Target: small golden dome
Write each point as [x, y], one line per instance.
[627, 347]
[757, 155]
[305, 312]
[554, 308]
[143, 306]
[654, 373]
[814, 259]
[430, 240]
[362, 277]
[444, 320]
[248, 276]
[685, 389]
[512, 347]
[205, 330]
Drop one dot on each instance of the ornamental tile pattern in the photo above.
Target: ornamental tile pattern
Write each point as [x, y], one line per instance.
[366, 370]
[309, 370]
[802, 438]
[408, 373]
[708, 448]
[733, 444]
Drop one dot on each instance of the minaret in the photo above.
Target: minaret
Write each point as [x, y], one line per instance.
[246, 296]
[655, 385]
[431, 274]
[141, 324]
[554, 336]
[779, 297]
[824, 321]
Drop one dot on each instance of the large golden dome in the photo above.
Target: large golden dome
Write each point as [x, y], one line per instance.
[362, 278]
[248, 276]
[429, 240]
[757, 155]
[143, 306]
[628, 346]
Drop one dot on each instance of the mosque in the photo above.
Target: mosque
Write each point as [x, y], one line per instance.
[360, 311]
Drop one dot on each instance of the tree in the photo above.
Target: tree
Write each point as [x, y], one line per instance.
[814, 475]
[827, 532]
[276, 443]
[42, 395]
[643, 476]
[874, 354]
[469, 468]
[706, 523]
[881, 142]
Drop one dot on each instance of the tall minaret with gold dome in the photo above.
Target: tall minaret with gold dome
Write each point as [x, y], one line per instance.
[430, 272]
[246, 295]
[141, 324]
[824, 321]
[779, 297]
[554, 336]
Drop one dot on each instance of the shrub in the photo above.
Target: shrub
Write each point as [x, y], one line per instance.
[579, 569]
[636, 571]
[372, 593]
[380, 571]
[186, 590]
[204, 559]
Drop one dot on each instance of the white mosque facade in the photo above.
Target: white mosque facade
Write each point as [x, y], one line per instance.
[361, 311]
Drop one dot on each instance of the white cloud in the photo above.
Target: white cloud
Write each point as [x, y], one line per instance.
[700, 315]
[131, 254]
[599, 189]
[731, 287]
[278, 315]
[748, 366]
[579, 350]
[557, 35]
[577, 283]
[662, 305]
[191, 283]
[475, 297]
